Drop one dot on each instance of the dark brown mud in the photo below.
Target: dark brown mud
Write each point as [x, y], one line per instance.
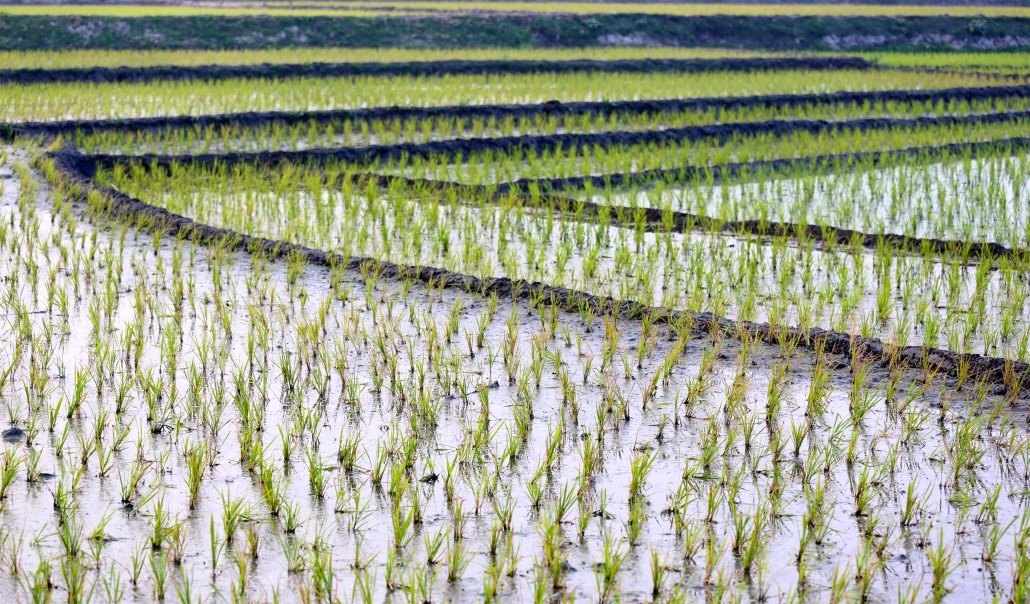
[73, 169]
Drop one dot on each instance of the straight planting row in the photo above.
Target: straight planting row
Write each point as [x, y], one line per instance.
[936, 100]
[88, 101]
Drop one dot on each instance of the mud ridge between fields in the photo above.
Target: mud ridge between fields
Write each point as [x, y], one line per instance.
[503, 111]
[543, 194]
[74, 170]
[538, 194]
[743, 171]
[418, 68]
[463, 148]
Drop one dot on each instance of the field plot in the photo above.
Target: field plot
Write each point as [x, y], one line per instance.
[297, 132]
[996, 62]
[742, 335]
[43, 59]
[35, 102]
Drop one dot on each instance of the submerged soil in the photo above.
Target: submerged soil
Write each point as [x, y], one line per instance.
[709, 444]
[899, 438]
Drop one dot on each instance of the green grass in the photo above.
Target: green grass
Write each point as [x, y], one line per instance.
[356, 132]
[135, 10]
[980, 61]
[93, 101]
[588, 8]
[497, 166]
[690, 9]
[136, 58]
[58, 59]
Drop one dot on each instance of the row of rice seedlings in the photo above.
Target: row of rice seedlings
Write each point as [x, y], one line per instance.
[907, 298]
[942, 194]
[1000, 62]
[47, 102]
[65, 59]
[950, 196]
[942, 209]
[316, 133]
[151, 9]
[284, 432]
[491, 166]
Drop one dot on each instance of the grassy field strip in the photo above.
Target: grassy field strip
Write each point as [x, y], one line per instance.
[980, 61]
[456, 67]
[758, 169]
[117, 204]
[489, 166]
[44, 59]
[569, 143]
[315, 134]
[1010, 76]
[691, 9]
[130, 10]
[373, 8]
[937, 100]
[54, 102]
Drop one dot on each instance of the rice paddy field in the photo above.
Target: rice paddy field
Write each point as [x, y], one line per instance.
[668, 325]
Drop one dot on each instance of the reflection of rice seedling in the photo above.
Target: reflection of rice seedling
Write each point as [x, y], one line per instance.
[653, 353]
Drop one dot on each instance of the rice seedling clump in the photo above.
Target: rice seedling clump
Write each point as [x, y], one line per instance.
[737, 334]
